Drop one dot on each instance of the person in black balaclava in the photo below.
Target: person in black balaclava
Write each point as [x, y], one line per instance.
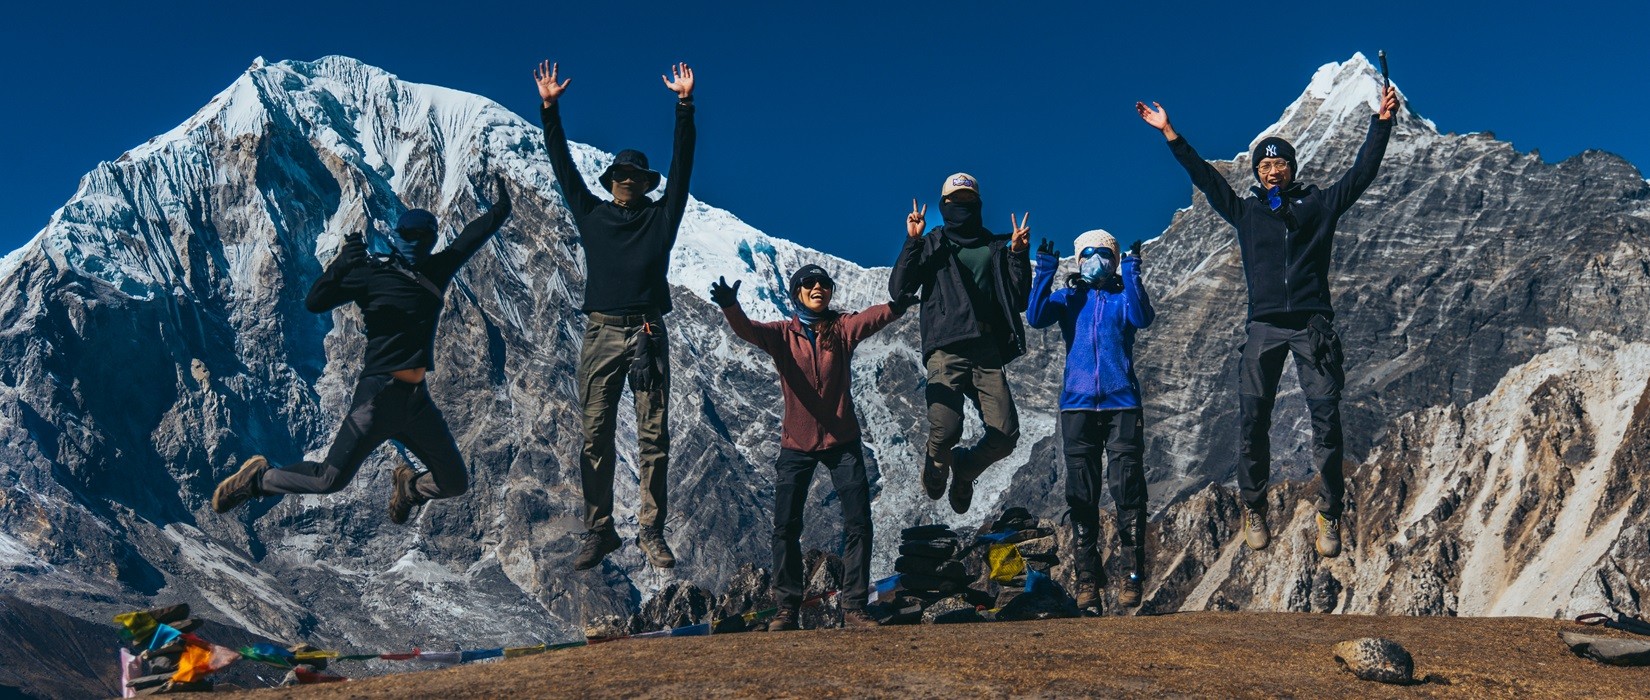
[973, 285]
[400, 298]
[627, 243]
[1286, 233]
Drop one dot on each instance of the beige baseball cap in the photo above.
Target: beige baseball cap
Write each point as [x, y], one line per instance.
[960, 181]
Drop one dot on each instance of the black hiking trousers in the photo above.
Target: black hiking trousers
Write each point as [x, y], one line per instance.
[1318, 364]
[794, 473]
[384, 408]
[1120, 435]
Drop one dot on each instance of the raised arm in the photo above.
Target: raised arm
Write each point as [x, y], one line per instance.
[1340, 196]
[573, 189]
[483, 227]
[911, 269]
[1205, 178]
[1045, 308]
[767, 336]
[1019, 264]
[338, 285]
[1137, 307]
[856, 327]
[681, 157]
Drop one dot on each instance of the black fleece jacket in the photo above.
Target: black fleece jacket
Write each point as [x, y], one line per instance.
[929, 264]
[626, 250]
[399, 312]
[1286, 253]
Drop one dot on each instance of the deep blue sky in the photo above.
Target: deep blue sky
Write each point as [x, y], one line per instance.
[820, 122]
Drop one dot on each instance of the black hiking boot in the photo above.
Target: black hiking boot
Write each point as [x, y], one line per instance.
[1128, 595]
[858, 619]
[933, 478]
[596, 545]
[240, 487]
[652, 542]
[404, 495]
[783, 621]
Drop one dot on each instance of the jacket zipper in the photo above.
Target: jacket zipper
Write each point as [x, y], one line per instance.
[1094, 341]
[1288, 296]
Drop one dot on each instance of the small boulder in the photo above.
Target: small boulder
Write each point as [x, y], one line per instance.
[950, 610]
[607, 626]
[1376, 659]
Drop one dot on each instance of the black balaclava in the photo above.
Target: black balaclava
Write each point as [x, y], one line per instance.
[962, 222]
[414, 236]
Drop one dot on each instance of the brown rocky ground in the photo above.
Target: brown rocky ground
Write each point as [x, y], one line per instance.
[1204, 654]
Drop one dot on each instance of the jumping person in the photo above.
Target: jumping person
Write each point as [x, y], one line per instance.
[1286, 233]
[1099, 310]
[812, 352]
[627, 244]
[973, 286]
[400, 299]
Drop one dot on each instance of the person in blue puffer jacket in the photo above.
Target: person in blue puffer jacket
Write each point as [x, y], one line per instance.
[1099, 310]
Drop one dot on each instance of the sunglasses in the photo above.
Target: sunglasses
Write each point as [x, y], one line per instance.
[628, 175]
[1093, 250]
[816, 281]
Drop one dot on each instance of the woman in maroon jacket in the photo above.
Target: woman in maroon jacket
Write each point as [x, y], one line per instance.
[812, 350]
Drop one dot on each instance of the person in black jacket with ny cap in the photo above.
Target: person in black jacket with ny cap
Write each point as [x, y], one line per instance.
[627, 244]
[974, 285]
[400, 298]
[1286, 234]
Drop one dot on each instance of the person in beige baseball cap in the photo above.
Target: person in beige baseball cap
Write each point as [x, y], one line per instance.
[973, 285]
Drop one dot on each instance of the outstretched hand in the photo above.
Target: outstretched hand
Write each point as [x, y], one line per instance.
[917, 220]
[355, 248]
[1020, 239]
[1158, 118]
[724, 295]
[549, 89]
[1389, 102]
[1047, 248]
[501, 196]
[680, 81]
[902, 303]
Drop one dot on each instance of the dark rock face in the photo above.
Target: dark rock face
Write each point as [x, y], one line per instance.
[155, 336]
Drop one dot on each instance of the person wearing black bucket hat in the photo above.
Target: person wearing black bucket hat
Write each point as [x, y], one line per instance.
[400, 297]
[627, 243]
[812, 351]
[974, 285]
[1286, 233]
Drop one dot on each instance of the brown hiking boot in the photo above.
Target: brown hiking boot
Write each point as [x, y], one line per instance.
[933, 478]
[1329, 537]
[858, 620]
[240, 487]
[1254, 527]
[404, 496]
[595, 547]
[1088, 597]
[652, 542]
[1128, 595]
[783, 621]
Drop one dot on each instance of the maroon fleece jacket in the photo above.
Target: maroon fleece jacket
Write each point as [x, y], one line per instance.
[819, 413]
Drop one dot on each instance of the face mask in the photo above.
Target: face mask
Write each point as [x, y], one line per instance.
[961, 215]
[1095, 268]
[415, 250]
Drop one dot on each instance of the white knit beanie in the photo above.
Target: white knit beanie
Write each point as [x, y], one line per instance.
[1097, 238]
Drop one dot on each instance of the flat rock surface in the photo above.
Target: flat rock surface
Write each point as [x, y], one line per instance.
[1205, 654]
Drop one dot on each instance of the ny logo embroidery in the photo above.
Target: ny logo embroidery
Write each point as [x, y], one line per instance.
[1271, 150]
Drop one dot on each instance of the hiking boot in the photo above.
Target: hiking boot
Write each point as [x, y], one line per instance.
[240, 487]
[783, 621]
[1254, 527]
[858, 620]
[596, 546]
[1329, 537]
[652, 542]
[1088, 597]
[1129, 595]
[962, 494]
[933, 479]
[404, 495]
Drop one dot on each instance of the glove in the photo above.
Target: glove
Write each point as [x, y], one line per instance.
[501, 197]
[903, 303]
[1134, 248]
[722, 294]
[644, 365]
[1047, 256]
[355, 248]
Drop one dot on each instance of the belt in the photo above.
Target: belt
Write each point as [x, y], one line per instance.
[629, 320]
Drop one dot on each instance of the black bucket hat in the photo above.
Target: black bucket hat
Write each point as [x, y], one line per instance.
[632, 158]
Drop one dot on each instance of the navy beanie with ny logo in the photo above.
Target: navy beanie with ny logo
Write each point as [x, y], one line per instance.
[1273, 147]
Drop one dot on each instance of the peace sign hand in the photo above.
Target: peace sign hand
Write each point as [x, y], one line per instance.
[680, 81]
[549, 89]
[917, 220]
[1020, 239]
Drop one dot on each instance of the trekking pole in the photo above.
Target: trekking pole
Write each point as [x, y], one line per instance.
[1386, 80]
